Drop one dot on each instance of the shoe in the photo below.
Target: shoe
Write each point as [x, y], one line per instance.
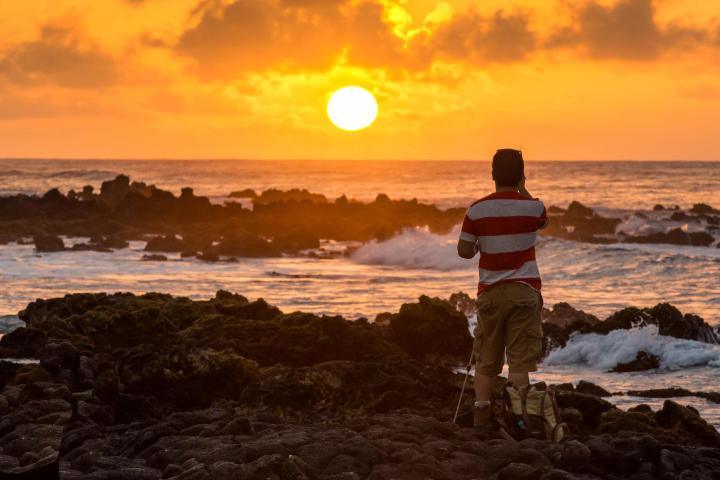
[482, 416]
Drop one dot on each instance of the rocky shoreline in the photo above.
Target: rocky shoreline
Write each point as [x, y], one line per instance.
[280, 222]
[156, 386]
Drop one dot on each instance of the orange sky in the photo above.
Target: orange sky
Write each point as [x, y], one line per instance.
[565, 79]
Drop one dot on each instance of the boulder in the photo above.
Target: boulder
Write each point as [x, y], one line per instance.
[431, 326]
[166, 243]
[48, 243]
[643, 361]
[703, 208]
[295, 242]
[591, 389]
[247, 245]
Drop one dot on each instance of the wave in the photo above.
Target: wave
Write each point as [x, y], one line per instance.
[9, 323]
[414, 248]
[89, 174]
[604, 352]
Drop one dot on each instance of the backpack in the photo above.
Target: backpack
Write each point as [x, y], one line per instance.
[532, 412]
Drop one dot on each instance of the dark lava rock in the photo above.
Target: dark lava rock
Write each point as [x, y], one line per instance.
[157, 386]
[581, 223]
[669, 320]
[167, 243]
[247, 245]
[48, 243]
[246, 193]
[591, 389]
[661, 393]
[675, 236]
[295, 242]
[23, 342]
[293, 195]
[208, 257]
[431, 326]
[643, 361]
[703, 208]
[154, 258]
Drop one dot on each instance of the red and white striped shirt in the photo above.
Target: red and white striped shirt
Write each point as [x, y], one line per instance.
[505, 225]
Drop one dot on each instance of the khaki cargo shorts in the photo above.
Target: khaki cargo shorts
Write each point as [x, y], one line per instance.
[508, 321]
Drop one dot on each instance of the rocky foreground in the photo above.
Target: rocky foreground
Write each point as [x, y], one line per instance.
[155, 386]
[280, 222]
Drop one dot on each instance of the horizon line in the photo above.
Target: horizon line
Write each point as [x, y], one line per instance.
[231, 159]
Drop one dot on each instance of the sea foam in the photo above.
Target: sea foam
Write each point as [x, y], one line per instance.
[414, 248]
[606, 351]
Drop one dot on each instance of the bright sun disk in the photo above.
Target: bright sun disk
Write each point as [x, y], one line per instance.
[352, 108]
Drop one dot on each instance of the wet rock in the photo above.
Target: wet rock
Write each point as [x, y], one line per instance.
[295, 242]
[676, 415]
[154, 258]
[616, 420]
[23, 342]
[592, 389]
[643, 361]
[247, 245]
[675, 236]
[703, 208]
[246, 193]
[431, 326]
[669, 320]
[293, 195]
[519, 471]
[166, 243]
[581, 223]
[48, 243]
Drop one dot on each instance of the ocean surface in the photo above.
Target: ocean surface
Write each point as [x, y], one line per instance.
[380, 276]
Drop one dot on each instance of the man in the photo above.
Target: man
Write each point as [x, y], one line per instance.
[503, 227]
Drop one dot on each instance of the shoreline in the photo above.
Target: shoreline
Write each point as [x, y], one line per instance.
[165, 386]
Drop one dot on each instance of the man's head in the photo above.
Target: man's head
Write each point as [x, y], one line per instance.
[508, 167]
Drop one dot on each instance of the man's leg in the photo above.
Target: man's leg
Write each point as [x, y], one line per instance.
[519, 379]
[483, 387]
[489, 350]
[523, 332]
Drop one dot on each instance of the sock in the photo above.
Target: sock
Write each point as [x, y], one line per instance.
[482, 403]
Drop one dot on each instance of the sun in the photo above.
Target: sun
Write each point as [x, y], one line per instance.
[352, 108]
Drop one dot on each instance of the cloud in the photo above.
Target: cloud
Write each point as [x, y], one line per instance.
[313, 35]
[61, 57]
[627, 30]
[501, 37]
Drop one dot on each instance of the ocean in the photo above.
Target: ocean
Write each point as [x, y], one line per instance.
[380, 276]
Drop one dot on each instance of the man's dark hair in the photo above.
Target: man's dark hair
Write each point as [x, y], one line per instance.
[508, 167]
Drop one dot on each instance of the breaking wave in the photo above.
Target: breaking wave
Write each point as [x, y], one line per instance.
[414, 248]
[606, 351]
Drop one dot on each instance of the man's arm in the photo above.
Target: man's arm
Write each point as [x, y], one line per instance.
[467, 249]
[524, 191]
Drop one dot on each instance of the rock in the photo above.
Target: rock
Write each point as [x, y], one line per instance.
[246, 193]
[669, 320]
[565, 316]
[247, 245]
[592, 389]
[154, 258]
[113, 191]
[674, 415]
[295, 242]
[675, 236]
[616, 420]
[167, 243]
[208, 257]
[23, 342]
[519, 471]
[431, 326]
[661, 393]
[703, 208]
[643, 361]
[292, 195]
[48, 243]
